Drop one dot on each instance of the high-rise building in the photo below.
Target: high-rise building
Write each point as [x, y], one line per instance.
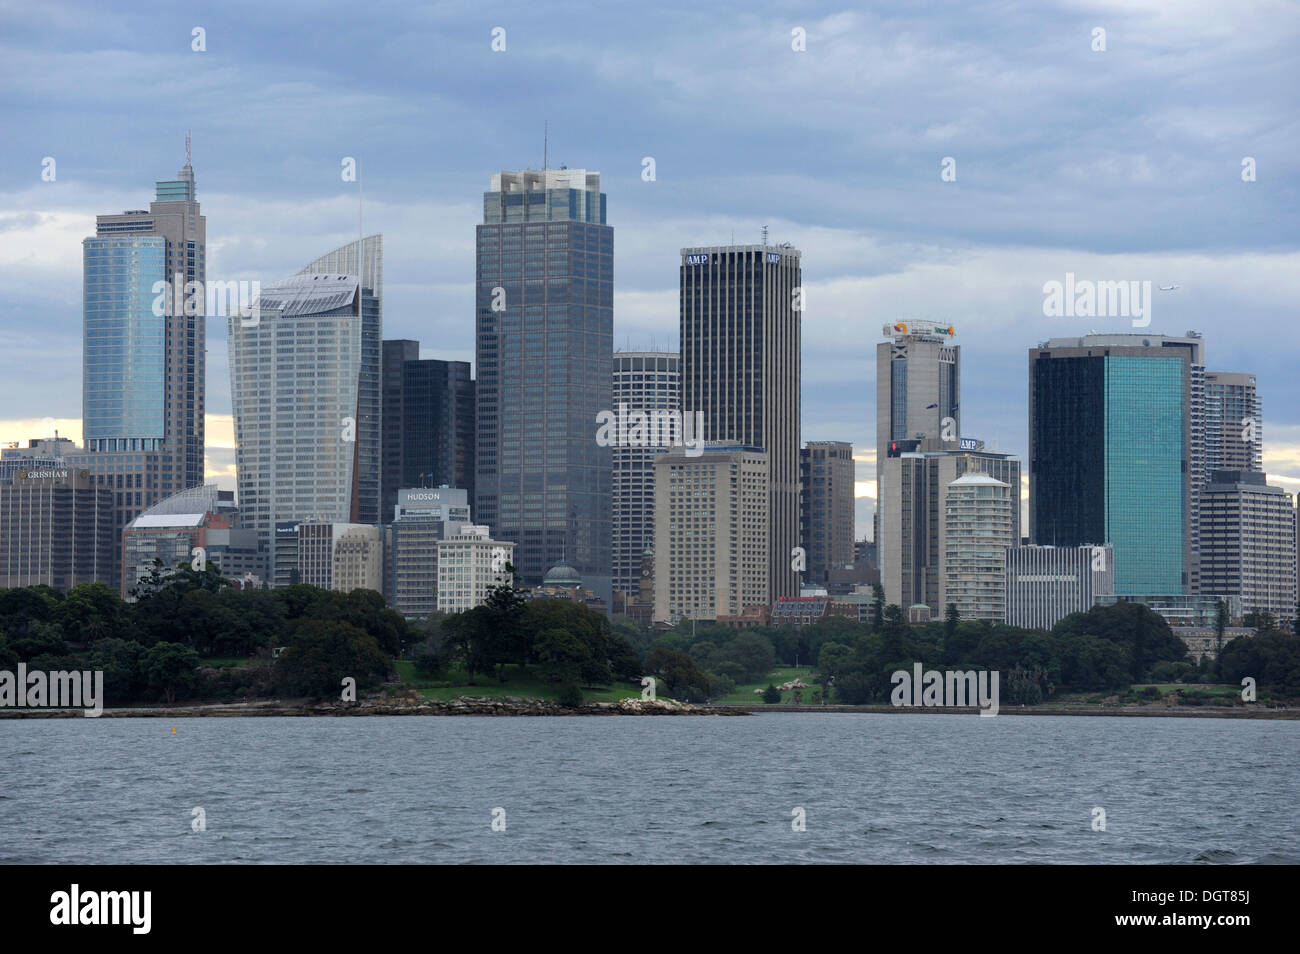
[1248, 543]
[1234, 428]
[979, 526]
[827, 476]
[428, 422]
[711, 532]
[644, 381]
[469, 564]
[912, 503]
[143, 368]
[421, 517]
[1116, 445]
[56, 528]
[543, 355]
[1047, 584]
[918, 384]
[740, 334]
[304, 384]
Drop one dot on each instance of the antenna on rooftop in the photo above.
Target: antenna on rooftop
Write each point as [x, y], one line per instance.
[765, 235]
[546, 143]
[187, 147]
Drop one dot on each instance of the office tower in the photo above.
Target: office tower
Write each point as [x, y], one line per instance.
[827, 478]
[544, 354]
[1248, 543]
[56, 528]
[740, 321]
[644, 381]
[283, 567]
[1047, 584]
[979, 526]
[1234, 428]
[364, 258]
[914, 486]
[469, 564]
[428, 422]
[393, 357]
[304, 386]
[421, 517]
[918, 384]
[712, 522]
[143, 373]
[169, 531]
[1116, 445]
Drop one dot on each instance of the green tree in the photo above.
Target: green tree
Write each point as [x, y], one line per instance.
[92, 611]
[322, 653]
[171, 669]
[878, 607]
[771, 694]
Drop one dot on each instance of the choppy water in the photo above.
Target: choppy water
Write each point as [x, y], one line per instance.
[874, 788]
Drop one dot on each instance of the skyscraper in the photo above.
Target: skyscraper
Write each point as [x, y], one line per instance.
[544, 355]
[918, 384]
[143, 368]
[304, 385]
[1234, 429]
[428, 423]
[364, 258]
[826, 478]
[643, 381]
[740, 334]
[1116, 452]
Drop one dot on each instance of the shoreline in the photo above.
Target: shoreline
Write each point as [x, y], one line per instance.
[631, 706]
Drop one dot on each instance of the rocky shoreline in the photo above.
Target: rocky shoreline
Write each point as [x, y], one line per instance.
[465, 705]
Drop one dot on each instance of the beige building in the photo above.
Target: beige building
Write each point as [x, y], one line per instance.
[469, 564]
[711, 532]
[341, 556]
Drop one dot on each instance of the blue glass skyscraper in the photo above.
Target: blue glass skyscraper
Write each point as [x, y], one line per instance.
[1113, 445]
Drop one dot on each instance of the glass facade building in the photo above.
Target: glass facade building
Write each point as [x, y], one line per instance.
[304, 388]
[544, 355]
[1112, 437]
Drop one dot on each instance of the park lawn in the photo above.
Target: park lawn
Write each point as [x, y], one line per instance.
[519, 683]
[746, 694]
[225, 662]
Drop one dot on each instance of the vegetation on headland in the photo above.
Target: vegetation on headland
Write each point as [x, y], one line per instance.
[190, 636]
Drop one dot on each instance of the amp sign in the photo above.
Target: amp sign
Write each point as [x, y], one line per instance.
[697, 259]
[970, 443]
[774, 258]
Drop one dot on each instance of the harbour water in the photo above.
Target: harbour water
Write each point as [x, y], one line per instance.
[936, 788]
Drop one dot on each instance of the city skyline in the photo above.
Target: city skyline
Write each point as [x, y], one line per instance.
[882, 238]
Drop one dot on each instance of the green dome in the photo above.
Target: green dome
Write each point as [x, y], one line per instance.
[562, 575]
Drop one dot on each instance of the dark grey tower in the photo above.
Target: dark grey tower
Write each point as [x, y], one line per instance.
[544, 356]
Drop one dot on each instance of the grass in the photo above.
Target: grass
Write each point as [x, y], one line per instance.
[746, 694]
[520, 682]
[225, 662]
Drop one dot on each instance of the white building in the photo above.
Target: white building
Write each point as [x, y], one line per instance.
[1047, 584]
[979, 526]
[469, 564]
[341, 556]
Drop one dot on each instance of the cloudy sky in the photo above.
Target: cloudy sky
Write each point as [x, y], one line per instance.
[1117, 164]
